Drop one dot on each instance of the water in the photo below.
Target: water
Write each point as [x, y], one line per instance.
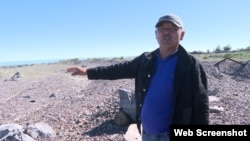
[13, 63]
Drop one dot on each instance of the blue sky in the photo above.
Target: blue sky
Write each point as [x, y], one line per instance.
[65, 29]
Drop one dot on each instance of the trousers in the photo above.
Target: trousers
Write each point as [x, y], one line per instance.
[155, 137]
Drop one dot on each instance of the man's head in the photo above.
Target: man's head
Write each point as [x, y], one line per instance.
[169, 32]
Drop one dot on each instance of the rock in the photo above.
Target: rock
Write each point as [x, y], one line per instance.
[213, 98]
[52, 95]
[216, 109]
[121, 119]
[13, 132]
[127, 102]
[132, 134]
[15, 76]
[41, 130]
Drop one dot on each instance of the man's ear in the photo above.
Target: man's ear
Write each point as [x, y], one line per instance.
[156, 34]
[182, 35]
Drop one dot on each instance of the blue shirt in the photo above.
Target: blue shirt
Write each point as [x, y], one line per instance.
[156, 115]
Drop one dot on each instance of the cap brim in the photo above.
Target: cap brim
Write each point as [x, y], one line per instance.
[159, 23]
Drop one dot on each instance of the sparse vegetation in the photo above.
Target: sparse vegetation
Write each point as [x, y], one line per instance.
[74, 59]
[218, 54]
[118, 58]
[70, 60]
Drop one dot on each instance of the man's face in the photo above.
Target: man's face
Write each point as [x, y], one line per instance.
[169, 35]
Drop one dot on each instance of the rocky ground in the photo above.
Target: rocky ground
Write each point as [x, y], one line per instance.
[83, 110]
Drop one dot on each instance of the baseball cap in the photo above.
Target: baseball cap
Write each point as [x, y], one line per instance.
[171, 18]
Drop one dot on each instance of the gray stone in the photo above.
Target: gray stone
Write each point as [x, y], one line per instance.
[216, 109]
[121, 119]
[127, 102]
[41, 130]
[132, 134]
[13, 132]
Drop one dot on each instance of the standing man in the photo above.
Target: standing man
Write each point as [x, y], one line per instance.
[170, 84]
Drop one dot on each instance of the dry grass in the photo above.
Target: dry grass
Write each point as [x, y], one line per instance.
[38, 70]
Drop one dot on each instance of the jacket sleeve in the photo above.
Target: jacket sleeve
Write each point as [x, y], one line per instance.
[123, 70]
[200, 111]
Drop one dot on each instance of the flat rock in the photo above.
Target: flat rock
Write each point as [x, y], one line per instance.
[132, 134]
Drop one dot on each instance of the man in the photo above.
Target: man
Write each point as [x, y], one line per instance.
[170, 84]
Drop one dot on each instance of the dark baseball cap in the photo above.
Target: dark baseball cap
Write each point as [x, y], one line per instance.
[170, 18]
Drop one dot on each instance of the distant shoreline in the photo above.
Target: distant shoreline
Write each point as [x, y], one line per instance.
[14, 63]
[30, 62]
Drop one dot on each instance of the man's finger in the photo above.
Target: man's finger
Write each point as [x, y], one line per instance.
[71, 70]
[75, 73]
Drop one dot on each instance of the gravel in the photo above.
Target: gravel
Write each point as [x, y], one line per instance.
[80, 109]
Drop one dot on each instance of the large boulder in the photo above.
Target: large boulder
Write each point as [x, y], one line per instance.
[127, 103]
[13, 132]
[41, 131]
[121, 119]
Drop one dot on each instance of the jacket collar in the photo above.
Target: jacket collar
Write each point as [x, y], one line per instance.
[183, 56]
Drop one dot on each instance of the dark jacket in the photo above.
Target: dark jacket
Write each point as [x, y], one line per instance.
[191, 105]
